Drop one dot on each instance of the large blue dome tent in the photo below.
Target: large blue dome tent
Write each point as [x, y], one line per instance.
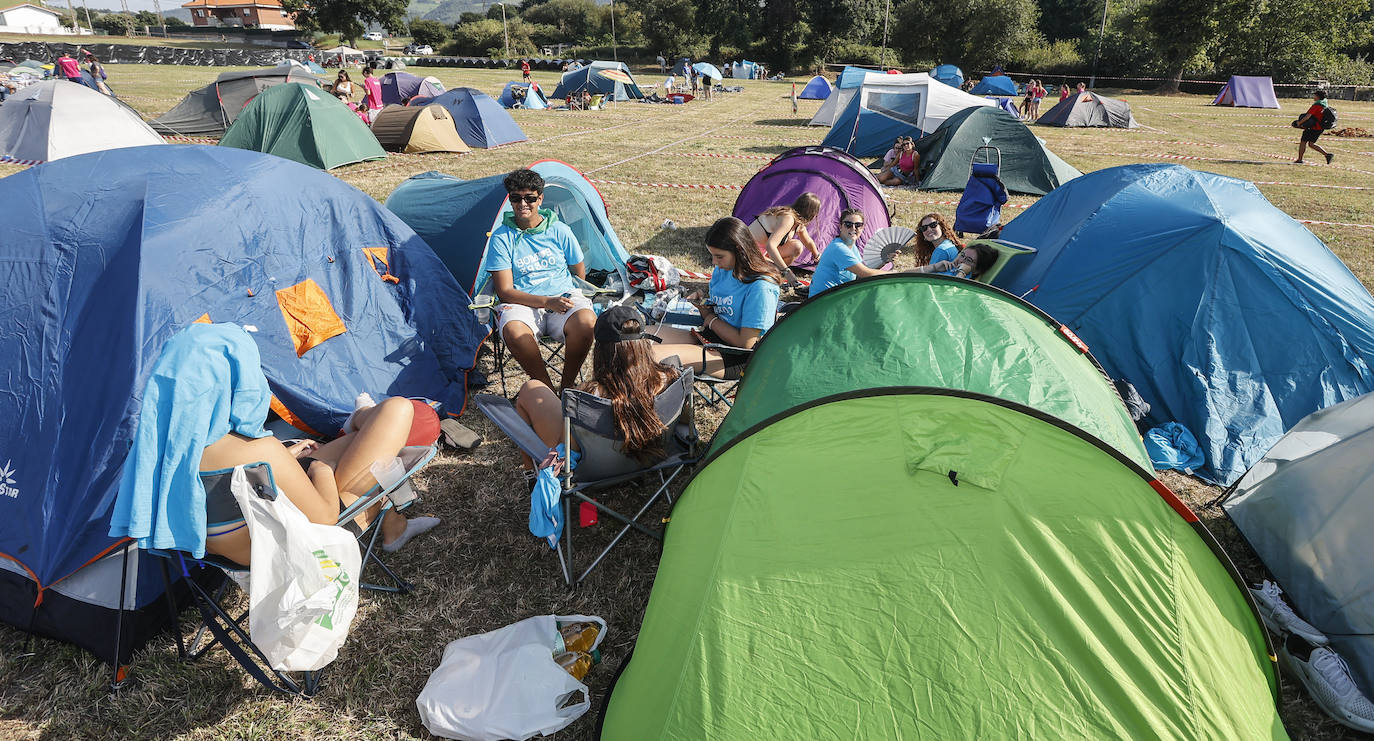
[455, 217]
[105, 257]
[481, 121]
[1226, 314]
[994, 85]
[817, 88]
[948, 74]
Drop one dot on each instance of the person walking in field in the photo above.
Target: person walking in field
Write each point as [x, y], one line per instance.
[1313, 123]
[525, 69]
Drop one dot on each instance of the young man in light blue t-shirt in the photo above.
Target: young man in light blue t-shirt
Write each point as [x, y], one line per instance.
[532, 258]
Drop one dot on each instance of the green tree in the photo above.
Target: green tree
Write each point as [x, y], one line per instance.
[729, 23]
[485, 38]
[840, 23]
[1070, 19]
[784, 30]
[1290, 41]
[575, 21]
[347, 18]
[1181, 33]
[974, 35]
[469, 17]
[431, 33]
[669, 25]
[117, 23]
[174, 22]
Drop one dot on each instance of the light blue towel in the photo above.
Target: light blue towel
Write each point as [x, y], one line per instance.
[546, 514]
[208, 381]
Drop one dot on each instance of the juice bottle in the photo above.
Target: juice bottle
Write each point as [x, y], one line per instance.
[576, 663]
[580, 636]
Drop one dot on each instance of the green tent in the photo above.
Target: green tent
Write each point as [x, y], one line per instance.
[919, 330]
[1027, 166]
[924, 562]
[304, 124]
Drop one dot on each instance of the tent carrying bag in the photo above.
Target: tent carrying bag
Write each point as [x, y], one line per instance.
[505, 684]
[652, 273]
[304, 586]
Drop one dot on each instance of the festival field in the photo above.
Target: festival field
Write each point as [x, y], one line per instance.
[481, 569]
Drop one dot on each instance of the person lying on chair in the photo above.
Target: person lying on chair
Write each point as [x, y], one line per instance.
[625, 373]
[741, 307]
[532, 258]
[203, 410]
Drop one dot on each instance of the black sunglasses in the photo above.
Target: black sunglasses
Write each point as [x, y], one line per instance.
[527, 198]
[853, 224]
[931, 225]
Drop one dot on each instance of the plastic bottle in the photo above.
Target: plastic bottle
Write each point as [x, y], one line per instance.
[668, 224]
[576, 663]
[579, 636]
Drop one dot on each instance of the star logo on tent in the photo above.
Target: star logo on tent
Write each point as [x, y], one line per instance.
[7, 482]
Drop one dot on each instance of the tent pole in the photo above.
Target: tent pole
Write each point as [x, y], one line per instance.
[1101, 31]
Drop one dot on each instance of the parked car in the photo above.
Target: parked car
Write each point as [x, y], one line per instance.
[297, 44]
[424, 49]
[373, 36]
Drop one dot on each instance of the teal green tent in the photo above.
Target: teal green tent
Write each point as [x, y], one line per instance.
[911, 330]
[1027, 166]
[304, 124]
[915, 561]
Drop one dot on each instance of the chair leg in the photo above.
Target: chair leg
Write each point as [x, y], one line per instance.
[630, 522]
[373, 535]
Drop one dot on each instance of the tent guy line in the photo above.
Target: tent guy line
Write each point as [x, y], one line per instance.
[674, 143]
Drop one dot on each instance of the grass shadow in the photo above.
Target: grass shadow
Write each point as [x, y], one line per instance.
[769, 149]
[678, 245]
[800, 122]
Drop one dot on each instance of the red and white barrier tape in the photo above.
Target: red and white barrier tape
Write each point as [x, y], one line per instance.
[8, 160]
[719, 156]
[906, 202]
[1311, 185]
[1335, 223]
[707, 276]
[686, 186]
[192, 139]
[1191, 157]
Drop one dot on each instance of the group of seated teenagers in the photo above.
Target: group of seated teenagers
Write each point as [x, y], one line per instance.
[532, 258]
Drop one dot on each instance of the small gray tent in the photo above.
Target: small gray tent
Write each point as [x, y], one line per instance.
[1307, 508]
[210, 110]
[1090, 109]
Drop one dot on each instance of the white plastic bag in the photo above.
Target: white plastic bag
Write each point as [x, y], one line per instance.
[304, 587]
[505, 684]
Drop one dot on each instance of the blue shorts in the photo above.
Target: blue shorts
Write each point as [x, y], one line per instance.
[905, 178]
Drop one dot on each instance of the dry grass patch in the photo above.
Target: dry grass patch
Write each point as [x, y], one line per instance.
[481, 569]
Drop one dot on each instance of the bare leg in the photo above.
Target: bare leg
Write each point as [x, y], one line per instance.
[1318, 147]
[1302, 149]
[696, 357]
[525, 347]
[790, 250]
[382, 432]
[538, 405]
[577, 342]
[673, 336]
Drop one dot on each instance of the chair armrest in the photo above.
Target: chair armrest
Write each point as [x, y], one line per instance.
[502, 413]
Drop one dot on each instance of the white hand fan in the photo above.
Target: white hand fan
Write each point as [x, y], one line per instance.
[883, 245]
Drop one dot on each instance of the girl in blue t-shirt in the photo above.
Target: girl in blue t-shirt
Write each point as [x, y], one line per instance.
[840, 262]
[935, 245]
[741, 307]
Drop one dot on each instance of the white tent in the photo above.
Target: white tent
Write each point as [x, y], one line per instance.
[874, 108]
[342, 51]
[55, 119]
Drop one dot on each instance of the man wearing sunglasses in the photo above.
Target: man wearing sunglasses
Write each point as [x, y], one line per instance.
[532, 258]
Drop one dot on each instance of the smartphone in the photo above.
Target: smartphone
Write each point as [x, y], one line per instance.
[699, 337]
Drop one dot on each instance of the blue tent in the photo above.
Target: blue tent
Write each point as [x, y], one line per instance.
[1006, 104]
[109, 254]
[315, 69]
[1227, 315]
[533, 98]
[589, 78]
[481, 121]
[884, 107]
[995, 85]
[817, 88]
[448, 211]
[949, 74]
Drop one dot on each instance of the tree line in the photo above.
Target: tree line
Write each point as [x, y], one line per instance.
[1293, 41]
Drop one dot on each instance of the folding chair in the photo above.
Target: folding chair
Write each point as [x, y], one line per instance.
[484, 304]
[217, 624]
[711, 389]
[1005, 252]
[589, 421]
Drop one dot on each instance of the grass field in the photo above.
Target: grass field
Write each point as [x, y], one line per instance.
[481, 569]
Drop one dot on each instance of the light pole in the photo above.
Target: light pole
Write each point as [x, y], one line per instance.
[615, 56]
[1102, 31]
[504, 32]
[882, 60]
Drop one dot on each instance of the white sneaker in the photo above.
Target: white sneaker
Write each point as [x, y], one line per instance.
[1328, 681]
[1280, 618]
[363, 401]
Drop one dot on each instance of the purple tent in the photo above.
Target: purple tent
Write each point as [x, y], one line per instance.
[400, 87]
[1248, 92]
[837, 178]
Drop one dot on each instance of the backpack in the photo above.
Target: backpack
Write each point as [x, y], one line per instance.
[1328, 118]
[652, 273]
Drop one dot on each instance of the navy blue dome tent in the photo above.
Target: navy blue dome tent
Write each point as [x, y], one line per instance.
[105, 257]
[455, 217]
[817, 88]
[1226, 314]
[481, 121]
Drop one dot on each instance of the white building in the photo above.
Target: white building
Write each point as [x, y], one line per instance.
[30, 18]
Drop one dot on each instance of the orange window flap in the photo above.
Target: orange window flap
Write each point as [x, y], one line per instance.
[378, 255]
[310, 318]
[290, 417]
[203, 319]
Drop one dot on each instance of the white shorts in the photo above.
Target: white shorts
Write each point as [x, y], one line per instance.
[542, 322]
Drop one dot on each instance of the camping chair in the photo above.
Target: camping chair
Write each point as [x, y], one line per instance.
[712, 389]
[588, 421]
[484, 305]
[980, 207]
[1005, 252]
[217, 624]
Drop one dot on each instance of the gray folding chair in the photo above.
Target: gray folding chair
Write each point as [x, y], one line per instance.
[589, 422]
[712, 389]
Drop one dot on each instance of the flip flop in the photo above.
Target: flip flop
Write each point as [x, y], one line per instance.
[459, 436]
